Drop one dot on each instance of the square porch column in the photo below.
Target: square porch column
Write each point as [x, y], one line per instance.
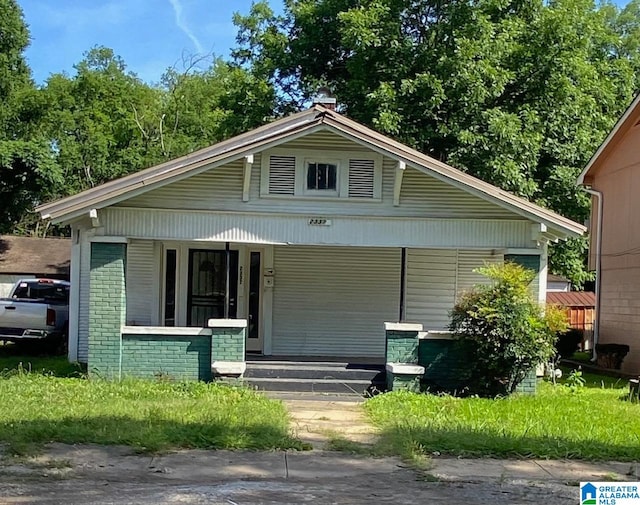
[228, 337]
[402, 368]
[107, 308]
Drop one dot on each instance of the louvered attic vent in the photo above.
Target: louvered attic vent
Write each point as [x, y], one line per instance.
[282, 175]
[361, 176]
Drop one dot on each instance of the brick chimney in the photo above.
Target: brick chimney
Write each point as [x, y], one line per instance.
[325, 98]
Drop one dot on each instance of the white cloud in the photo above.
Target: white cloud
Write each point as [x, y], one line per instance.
[181, 23]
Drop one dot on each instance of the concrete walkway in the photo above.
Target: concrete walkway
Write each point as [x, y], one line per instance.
[318, 421]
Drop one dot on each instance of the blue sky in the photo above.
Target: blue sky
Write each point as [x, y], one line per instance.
[150, 35]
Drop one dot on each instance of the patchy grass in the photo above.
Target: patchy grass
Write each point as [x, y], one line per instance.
[591, 423]
[38, 408]
[57, 366]
[595, 380]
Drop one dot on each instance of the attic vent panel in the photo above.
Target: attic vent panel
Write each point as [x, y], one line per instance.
[282, 175]
[361, 178]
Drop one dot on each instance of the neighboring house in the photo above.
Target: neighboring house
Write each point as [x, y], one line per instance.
[613, 177]
[313, 231]
[557, 283]
[28, 257]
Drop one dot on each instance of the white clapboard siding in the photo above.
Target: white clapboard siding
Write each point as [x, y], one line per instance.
[83, 306]
[324, 139]
[221, 189]
[361, 178]
[140, 273]
[282, 175]
[331, 301]
[470, 260]
[430, 286]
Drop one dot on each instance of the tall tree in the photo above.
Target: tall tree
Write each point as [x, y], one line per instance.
[104, 122]
[27, 173]
[516, 92]
[90, 120]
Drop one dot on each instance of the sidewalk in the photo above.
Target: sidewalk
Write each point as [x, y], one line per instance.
[104, 475]
[201, 465]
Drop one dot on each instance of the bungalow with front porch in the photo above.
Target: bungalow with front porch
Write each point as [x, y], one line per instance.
[300, 238]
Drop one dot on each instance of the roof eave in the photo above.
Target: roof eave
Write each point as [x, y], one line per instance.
[67, 208]
[560, 224]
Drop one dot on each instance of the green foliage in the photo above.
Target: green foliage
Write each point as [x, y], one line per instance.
[28, 173]
[15, 76]
[508, 330]
[575, 381]
[519, 93]
[549, 425]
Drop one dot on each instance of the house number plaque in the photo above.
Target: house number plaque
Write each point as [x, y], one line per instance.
[319, 221]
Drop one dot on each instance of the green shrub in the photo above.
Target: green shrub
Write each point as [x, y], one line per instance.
[508, 330]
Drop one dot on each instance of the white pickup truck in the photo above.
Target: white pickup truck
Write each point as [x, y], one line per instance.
[36, 310]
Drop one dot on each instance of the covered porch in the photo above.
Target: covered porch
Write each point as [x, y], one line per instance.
[207, 307]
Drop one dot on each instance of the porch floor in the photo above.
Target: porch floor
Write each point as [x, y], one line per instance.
[348, 360]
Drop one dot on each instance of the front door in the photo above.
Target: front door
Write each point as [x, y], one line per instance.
[208, 286]
[254, 313]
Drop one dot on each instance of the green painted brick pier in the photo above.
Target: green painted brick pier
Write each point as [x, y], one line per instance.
[117, 350]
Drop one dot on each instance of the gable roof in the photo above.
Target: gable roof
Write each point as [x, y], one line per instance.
[629, 119]
[28, 255]
[277, 132]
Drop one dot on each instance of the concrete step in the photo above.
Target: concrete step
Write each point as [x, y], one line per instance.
[288, 370]
[311, 385]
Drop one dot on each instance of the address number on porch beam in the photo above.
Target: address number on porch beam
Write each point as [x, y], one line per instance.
[246, 185]
[319, 221]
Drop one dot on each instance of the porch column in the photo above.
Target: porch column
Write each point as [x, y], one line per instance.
[228, 337]
[107, 308]
[402, 368]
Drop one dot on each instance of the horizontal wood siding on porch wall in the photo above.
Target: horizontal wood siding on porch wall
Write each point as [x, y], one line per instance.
[431, 286]
[330, 301]
[141, 269]
[435, 280]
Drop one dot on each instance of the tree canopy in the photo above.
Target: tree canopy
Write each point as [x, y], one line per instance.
[516, 92]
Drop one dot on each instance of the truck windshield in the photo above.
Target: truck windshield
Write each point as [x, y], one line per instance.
[37, 290]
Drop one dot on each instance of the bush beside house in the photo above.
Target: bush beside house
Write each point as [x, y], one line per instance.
[509, 331]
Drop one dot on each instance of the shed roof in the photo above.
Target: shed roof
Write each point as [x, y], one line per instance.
[277, 132]
[572, 298]
[29, 255]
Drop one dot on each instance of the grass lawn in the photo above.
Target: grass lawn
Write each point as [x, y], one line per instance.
[38, 407]
[592, 423]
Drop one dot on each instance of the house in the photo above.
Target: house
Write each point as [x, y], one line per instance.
[300, 238]
[612, 176]
[29, 257]
[557, 283]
